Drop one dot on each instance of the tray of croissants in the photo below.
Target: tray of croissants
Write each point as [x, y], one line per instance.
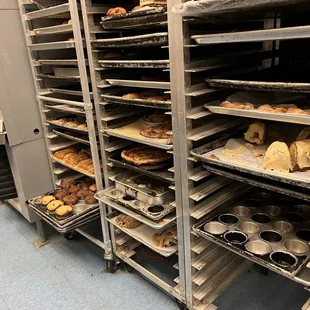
[68, 202]
[274, 150]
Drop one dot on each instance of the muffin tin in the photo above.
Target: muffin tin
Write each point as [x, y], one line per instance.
[270, 231]
[154, 212]
[144, 188]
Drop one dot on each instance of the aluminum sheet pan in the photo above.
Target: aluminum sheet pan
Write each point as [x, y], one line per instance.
[160, 174]
[144, 235]
[279, 117]
[132, 132]
[70, 137]
[246, 162]
[137, 83]
[144, 40]
[157, 64]
[65, 108]
[53, 29]
[51, 46]
[71, 167]
[62, 62]
[66, 127]
[114, 98]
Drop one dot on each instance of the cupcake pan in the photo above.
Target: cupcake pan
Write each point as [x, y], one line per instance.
[155, 212]
[266, 230]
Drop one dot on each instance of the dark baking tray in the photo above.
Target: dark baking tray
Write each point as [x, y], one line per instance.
[161, 174]
[131, 21]
[153, 39]
[52, 76]
[135, 64]
[278, 78]
[117, 98]
[221, 141]
[285, 189]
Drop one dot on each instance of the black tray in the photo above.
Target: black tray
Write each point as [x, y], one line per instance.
[154, 39]
[117, 98]
[161, 174]
[279, 78]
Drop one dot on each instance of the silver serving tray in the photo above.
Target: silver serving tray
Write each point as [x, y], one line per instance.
[141, 187]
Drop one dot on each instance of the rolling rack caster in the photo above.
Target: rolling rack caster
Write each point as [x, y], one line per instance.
[181, 305]
[71, 235]
[111, 266]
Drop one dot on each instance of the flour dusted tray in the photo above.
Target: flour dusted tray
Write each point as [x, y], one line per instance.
[139, 64]
[212, 153]
[270, 230]
[132, 132]
[143, 234]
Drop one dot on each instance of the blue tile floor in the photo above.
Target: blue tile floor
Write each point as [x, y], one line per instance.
[69, 275]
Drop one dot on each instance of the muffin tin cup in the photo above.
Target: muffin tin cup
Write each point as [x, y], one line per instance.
[154, 212]
[273, 236]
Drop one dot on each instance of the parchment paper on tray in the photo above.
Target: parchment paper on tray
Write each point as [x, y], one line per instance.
[133, 131]
[239, 153]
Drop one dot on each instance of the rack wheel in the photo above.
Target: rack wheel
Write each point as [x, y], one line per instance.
[181, 305]
[111, 266]
[129, 269]
[71, 235]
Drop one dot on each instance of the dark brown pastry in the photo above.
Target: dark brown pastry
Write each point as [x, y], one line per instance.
[90, 199]
[83, 193]
[70, 199]
[116, 11]
[60, 194]
[73, 189]
[66, 183]
[93, 187]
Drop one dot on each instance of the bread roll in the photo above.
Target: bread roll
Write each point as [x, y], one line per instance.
[256, 133]
[300, 155]
[277, 157]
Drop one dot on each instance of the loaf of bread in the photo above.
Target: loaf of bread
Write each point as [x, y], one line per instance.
[300, 155]
[256, 133]
[277, 157]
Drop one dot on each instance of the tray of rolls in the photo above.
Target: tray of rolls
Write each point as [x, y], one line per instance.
[269, 150]
[148, 98]
[280, 107]
[271, 230]
[67, 205]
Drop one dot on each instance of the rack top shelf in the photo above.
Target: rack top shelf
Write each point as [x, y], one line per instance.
[51, 11]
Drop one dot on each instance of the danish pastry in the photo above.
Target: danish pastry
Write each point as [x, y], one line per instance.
[64, 211]
[266, 108]
[52, 206]
[280, 110]
[131, 96]
[45, 200]
[116, 11]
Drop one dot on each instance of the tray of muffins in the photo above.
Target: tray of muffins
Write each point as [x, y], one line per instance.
[71, 204]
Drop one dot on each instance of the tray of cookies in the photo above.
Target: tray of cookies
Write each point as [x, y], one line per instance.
[268, 106]
[155, 131]
[270, 230]
[149, 98]
[271, 151]
[161, 241]
[144, 188]
[138, 41]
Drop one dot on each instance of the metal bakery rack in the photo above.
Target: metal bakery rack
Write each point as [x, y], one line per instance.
[129, 54]
[248, 43]
[54, 37]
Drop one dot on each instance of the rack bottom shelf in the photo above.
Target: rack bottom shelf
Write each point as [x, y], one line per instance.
[160, 272]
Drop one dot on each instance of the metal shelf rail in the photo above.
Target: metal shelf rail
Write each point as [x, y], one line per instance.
[54, 39]
[111, 113]
[202, 281]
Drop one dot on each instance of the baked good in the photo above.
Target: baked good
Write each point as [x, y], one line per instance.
[116, 11]
[280, 110]
[90, 199]
[166, 238]
[136, 8]
[237, 105]
[295, 111]
[266, 108]
[126, 221]
[256, 133]
[147, 156]
[93, 187]
[86, 165]
[157, 98]
[60, 194]
[52, 206]
[45, 200]
[61, 154]
[73, 189]
[304, 134]
[277, 157]
[288, 106]
[157, 132]
[71, 199]
[157, 118]
[300, 155]
[74, 159]
[131, 96]
[82, 193]
[82, 126]
[64, 211]
[65, 184]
